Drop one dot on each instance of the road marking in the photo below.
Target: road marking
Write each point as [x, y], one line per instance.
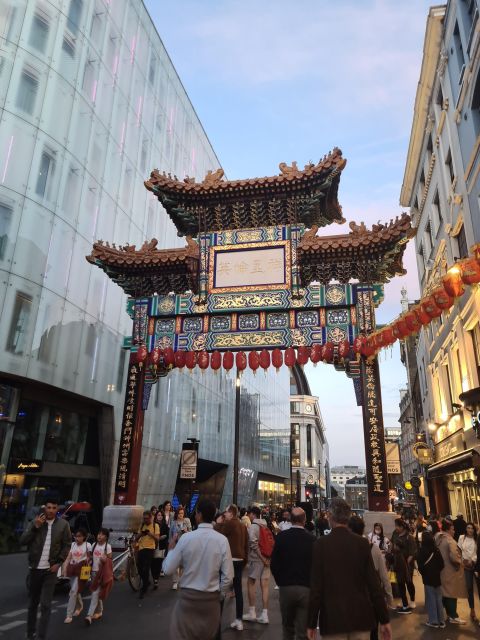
[13, 614]
[12, 625]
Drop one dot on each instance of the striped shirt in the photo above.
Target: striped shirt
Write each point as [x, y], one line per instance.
[44, 562]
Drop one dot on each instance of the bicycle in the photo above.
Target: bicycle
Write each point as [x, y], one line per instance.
[130, 571]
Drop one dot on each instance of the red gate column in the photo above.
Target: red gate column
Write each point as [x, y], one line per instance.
[129, 452]
[375, 454]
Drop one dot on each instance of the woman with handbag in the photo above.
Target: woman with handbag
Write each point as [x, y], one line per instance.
[468, 545]
[77, 565]
[101, 551]
[159, 553]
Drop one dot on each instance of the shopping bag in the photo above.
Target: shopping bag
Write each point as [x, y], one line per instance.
[85, 572]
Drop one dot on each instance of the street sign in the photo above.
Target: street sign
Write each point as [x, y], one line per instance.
[188, 464]
[415, 482]
[423, 453]
[408, 485]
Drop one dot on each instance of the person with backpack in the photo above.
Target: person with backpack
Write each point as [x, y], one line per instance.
[430, 564]
[261, 543]
[291, 566]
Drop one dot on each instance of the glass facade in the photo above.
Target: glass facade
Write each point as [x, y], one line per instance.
[89, 103]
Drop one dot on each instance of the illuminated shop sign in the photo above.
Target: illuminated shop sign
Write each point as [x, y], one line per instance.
[25, 465]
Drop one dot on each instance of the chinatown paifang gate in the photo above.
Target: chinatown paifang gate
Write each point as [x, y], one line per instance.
[255, 286]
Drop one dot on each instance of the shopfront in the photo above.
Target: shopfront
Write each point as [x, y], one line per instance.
[53, 451]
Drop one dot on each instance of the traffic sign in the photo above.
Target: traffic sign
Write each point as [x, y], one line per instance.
[408, 485]
[415, 482]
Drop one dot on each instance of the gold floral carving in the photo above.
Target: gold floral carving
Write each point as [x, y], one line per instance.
[298, 339]
[248, 300]
[199, 342]
[251, 235]
[260, 340]
[167, 304]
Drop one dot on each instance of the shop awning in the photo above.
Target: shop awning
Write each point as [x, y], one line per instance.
[462, 461]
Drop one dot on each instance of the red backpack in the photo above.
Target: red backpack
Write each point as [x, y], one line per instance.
[266, 541]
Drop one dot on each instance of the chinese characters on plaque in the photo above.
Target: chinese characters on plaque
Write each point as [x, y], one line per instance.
[374, 434]
[250, 267]
[128, 427]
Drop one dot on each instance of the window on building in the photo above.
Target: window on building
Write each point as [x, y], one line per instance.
[457, 51]
[88, 83]
[6, 215]
[429, 148]
[439, 99]
[475, 335]
[74, 15]
[309, 445]
[39, 33]
[437, 212]
[422, 182]
[462, 243]
[122, 360]
[450, 390]
[45, 173]
[7, 17]
[19, 324]
[295, 444]
[429, 242]
[449, 163]
[295, 407]
[68, 46]
[27, 92]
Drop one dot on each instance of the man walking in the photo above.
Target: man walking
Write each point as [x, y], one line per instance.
[207, 565]
[285, 522]
[147, 539]
[290, 566]
[48, 539]
[345, 596]
[258, 568]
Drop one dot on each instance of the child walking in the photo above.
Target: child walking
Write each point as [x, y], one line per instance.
[430, 563]
[78, 556]
[100, 552]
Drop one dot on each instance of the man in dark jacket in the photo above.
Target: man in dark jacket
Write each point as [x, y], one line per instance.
[291, 565]
[346, 596]
[48, 539]
[459, 526]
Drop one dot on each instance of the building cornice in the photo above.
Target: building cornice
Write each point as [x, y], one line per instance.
[431, 53]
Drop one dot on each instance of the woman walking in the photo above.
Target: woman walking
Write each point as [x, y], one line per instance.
[101, 550]
[180, 525]
[78, 557]
[378, 538]
[159, 553]
[452, 575]
[468, 547]
[430, 564]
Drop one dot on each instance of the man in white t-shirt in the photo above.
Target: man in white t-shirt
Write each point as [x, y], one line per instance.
[48, 539]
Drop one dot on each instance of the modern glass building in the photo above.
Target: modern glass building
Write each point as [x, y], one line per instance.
[89, 103]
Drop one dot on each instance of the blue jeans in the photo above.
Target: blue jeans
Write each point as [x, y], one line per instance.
[469, 582]
[433, 604]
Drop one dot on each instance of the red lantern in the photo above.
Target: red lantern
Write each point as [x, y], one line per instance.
[303, 353]
[241, 360]
[377, 339]
[316, 353]
[277, 359]
[253, 361]
[368, 348]
[216, 360]
[228, 360]
[452, 282]
[358, 344]
[387, 336]
[264, 359]
[412, 322]
[430, 308]
[290, 357]
[169, 357]
[470, 270]
[400, 329]
[203, 360]
[180, 358]
[327, 352]
[191, 360]
[154, 357]
[422, 316]
[442, 299]
[141, 354]
[344, 349]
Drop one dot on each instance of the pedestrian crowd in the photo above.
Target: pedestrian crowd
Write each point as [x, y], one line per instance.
[331, 577]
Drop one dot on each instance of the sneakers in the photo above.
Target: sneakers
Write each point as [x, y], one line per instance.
[457, 621]
[404, 610]
[263, 619]
[175, 586]
[432, 625]
[250, 616]
[413, 605]
[88, 620]
[442, 625]
[237, 624]
[68, 620]
[155, 584]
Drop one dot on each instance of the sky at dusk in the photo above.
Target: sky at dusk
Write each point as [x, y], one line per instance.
[277, 81]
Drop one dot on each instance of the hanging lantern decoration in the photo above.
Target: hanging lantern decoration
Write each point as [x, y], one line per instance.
[180, 358]
[169, 357]
[203, 360]
[191, 360]
[228, 360]
[470, 271]
[290, 357]
[327, 352]
[141, 355]
[358, 344]
[216, 360]
[241, 360]
[452, 282]
[422, 316]
[377, 339]
[277, 359]
[400, 329]
[412, 322]
[430, 308]
[387, 336]
[316, 354]
[368, 348]
[344, 349]
[154, 357]
[264, 359]
[303, 354]
[442, 299]
[253, 361]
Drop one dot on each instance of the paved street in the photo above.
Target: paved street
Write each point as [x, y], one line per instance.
[125, 613]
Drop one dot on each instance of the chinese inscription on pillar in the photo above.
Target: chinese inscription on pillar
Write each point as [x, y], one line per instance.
[128, 427]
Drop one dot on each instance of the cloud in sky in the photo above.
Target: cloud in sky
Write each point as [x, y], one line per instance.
[279, 81]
